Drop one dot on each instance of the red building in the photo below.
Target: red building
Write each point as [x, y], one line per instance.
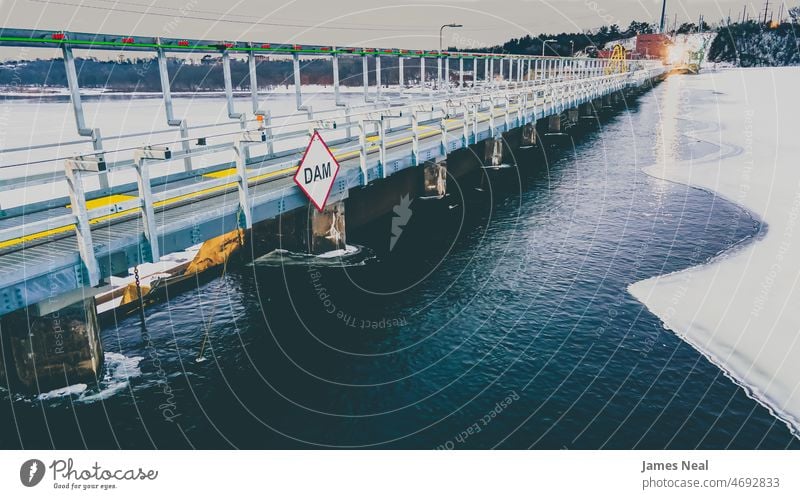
[653, 46]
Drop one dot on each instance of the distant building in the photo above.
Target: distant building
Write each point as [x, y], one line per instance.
[653, 46]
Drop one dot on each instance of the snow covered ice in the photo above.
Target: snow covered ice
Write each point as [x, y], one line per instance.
[742, 309]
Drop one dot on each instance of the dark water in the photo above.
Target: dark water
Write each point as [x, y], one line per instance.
[500, 320]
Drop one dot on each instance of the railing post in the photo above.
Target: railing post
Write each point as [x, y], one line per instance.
[422, 71]
[251, 66]
[365, 77]
[491, 117]
[461, 73]
[439, 72]
[465, 126]
[501, 72]
[146, 195]
[447, 73]
[232, 114]
[77, 106]
[378, 76]
[414, 137]
[362, 151]
[475, 109]
[508, 113]
[336, 91]
[401, 76]
[486, 70]
[239, 146]
[382, 138]
[443, 131]
[297, 84]
[226, 73]
[83, 232]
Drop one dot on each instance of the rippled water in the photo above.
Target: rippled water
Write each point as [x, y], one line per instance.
[499, 319]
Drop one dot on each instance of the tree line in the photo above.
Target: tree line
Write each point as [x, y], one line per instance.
[753, 43]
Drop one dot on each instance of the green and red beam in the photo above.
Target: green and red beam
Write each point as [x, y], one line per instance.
[56, 39]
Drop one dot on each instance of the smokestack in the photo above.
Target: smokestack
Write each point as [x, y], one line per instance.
[663, 16]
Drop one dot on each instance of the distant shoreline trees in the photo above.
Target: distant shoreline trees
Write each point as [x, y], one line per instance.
[753, 44]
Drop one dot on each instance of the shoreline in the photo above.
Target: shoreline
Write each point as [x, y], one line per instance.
[700, 304]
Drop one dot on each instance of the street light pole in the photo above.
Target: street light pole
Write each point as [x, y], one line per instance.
[544, 45]
[441, 30]
[451, 25]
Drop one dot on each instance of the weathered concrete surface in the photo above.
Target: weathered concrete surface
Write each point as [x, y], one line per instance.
[58, 349]
[435, 179]
[327, 229]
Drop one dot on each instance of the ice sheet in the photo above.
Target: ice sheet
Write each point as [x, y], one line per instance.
[742, 309]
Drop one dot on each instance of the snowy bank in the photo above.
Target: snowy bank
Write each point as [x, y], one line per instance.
[742, 309]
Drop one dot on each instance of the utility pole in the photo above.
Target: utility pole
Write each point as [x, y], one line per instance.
[766, 7]
[663, 16]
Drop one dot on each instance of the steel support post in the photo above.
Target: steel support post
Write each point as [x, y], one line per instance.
[465, 126]
[400, 77]
[242, 184]
[365, 77]
[382, 138]
[77, 107]
[378, 77]
[232, 114]
[83, 232]
[362, 151]
[475, 108]
[166, 94]
[415, 137]
[257, 111]
[443, 132]
[297, 87]
[336, 91]
[148, 212]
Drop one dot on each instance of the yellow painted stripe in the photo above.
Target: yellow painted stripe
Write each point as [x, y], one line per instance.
[221, 173]
[106, 200]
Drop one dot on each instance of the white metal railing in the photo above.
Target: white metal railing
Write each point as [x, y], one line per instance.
[414, 119]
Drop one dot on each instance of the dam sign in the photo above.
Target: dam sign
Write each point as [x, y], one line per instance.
[317, 171]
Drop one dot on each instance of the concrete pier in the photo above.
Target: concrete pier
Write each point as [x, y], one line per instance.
[554, 124]
[435, 179]
[53, 344]
[327, 229]
[493, 153]
[573, 116]
[529, 136]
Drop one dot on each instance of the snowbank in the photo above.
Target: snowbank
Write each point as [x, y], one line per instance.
[742, 309]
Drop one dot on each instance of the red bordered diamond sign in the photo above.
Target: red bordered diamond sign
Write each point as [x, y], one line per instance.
[317, 171]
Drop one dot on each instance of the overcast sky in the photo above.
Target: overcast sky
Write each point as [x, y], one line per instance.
[407, 23]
